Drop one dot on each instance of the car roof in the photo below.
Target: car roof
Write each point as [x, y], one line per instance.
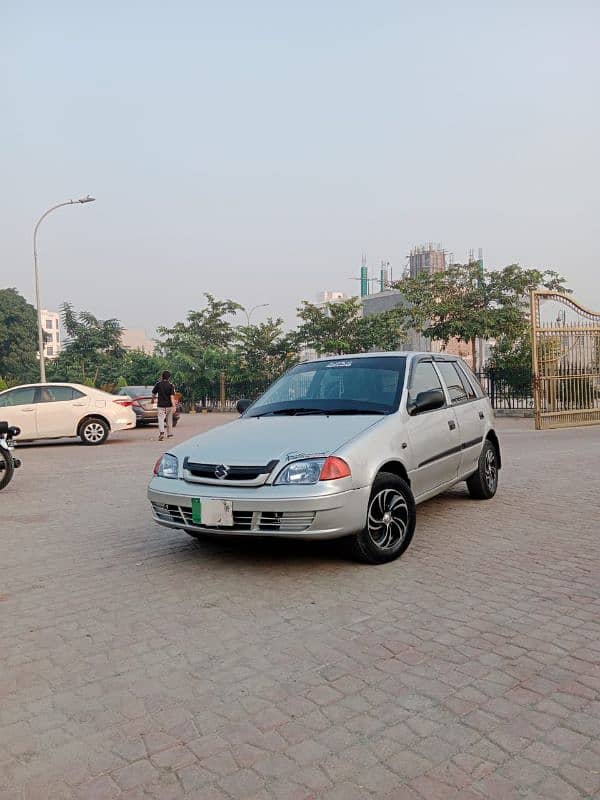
[409, 354]
[54, 383]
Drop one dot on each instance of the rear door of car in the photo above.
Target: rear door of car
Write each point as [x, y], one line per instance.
[17, 407]
[469, 414]
[434, 436]
[59, 409]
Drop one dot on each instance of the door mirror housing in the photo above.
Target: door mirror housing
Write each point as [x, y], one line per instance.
[242, 405]
[427, 401]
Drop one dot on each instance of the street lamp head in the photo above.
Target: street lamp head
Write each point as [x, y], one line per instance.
[86, 199]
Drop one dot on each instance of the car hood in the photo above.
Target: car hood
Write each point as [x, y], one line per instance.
[260, 440]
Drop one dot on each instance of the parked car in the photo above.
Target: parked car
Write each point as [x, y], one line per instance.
[143, 405]
[338, 447]
[57, 410]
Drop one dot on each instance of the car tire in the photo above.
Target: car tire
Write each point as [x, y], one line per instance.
[93, 431]
[7, 468]
[391, 519]
[483, 483]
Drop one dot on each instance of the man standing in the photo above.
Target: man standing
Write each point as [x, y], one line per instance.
[164, 391]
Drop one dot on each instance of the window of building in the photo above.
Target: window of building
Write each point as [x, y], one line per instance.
[50, 350]
[56, 323]
[49, 325]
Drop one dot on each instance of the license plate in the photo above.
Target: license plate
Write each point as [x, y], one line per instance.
[213, 513]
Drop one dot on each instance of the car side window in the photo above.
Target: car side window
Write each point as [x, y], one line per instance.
[57, 394]
[458, 388]
[18, 397]
[423, 379]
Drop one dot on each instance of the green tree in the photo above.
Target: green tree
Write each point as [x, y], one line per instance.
[142, 369]
[341, 328]
[199, 349]
[93, 353]
[263, 352]
[467, 303]
[18, 338]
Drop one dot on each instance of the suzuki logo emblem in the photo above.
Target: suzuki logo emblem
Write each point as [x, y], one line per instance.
[221, 472]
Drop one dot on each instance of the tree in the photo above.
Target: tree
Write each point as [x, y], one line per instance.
[467, 303]
[93, 353]
[200, 348]
[141, 369]
[341, 328]
[263, 353]
[18, 338]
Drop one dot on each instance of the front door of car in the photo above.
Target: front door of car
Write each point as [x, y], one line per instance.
[17, 407]
[59, 409]
[469, 413]
[434, 435]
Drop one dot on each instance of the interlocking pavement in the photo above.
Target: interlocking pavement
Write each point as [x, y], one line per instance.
[137, 663]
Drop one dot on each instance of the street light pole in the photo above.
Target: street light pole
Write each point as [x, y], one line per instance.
[252, 310]
[86, 199]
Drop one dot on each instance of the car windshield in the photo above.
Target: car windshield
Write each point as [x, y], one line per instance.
[367, 385]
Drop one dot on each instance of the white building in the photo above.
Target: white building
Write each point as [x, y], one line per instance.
[51, 328]
[330, 297]
[137, 339]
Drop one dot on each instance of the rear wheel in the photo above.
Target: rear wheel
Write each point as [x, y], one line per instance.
[391, 519]
[6, 468]
[483, 483]
[93, 431]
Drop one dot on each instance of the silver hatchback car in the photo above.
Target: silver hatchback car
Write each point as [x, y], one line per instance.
[338, 447]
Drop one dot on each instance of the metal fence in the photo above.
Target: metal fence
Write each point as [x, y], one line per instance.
[508, 388]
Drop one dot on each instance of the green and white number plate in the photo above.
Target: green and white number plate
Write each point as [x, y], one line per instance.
[213, 513]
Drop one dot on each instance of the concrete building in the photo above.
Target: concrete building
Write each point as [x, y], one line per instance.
[51, 328]
[330, 297]
[426, 258]
[137, 339]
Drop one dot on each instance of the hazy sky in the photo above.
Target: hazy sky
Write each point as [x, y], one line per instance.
[254, 149]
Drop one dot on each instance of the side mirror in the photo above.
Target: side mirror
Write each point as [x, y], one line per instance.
[242, 405]
[427, 401]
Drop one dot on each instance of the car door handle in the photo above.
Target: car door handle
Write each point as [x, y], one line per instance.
[451, 424]
[481, 415]
[28, 409]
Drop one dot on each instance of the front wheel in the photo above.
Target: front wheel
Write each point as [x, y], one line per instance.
[7, 468]
[391, 519]
[94, 431]
[483, 483]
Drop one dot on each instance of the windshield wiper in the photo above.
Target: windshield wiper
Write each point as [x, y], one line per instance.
[303, 412]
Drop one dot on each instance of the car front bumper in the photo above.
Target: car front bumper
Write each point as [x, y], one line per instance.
[287, 512]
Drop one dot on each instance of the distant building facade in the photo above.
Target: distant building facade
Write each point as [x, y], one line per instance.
[330, 297]
[52, 337]
[426, 258]
[137, 339]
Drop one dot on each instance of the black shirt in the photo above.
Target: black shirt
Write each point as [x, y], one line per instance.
[164, 390]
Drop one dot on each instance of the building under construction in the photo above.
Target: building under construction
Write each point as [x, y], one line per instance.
[427, 258]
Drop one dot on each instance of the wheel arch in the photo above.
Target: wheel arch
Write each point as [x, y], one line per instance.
[493, 438]
[396, 468]
[87, 417]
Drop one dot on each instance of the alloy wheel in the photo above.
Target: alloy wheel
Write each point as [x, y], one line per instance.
[491, 469]
[388, 518]
[93, 432]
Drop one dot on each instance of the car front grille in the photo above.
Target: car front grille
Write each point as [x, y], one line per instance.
[253, 521]
[199, 471]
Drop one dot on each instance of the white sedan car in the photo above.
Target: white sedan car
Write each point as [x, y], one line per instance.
[57, 410]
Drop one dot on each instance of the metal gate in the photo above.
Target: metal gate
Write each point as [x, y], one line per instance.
[566, 363]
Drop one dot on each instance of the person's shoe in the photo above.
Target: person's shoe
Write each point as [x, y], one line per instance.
[170, 435]
[161, 436]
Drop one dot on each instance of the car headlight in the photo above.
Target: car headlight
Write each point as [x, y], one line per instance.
[301, 472]
[313, 470]
[167, 466]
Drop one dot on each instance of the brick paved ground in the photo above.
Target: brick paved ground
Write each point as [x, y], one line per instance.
[138, 663]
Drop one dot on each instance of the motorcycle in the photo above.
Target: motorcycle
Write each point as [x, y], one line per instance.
[8, 463]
